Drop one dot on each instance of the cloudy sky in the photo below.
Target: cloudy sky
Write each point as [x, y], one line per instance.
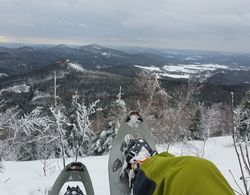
[222, 25]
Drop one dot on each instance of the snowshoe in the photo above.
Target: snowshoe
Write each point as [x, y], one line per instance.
[135, 154]
[131, 130]
[73, 172]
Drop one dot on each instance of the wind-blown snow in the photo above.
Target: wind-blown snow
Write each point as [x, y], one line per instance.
[26, 178]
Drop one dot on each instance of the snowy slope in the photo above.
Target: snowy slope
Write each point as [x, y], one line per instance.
[26, 178]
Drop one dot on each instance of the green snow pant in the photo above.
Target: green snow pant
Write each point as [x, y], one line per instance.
[165, 174]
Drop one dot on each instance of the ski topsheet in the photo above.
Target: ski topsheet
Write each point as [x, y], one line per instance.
[118, 185]
[76, 172]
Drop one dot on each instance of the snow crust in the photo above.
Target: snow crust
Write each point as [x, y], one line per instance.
[26, 178]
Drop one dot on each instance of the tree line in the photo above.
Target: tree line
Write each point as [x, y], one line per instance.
[59, 131]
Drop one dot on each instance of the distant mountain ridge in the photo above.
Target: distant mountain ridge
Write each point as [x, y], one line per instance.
[27, 59]
[98, 72]
[14, 61]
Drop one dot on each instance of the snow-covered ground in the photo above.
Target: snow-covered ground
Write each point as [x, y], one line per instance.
[77, 67]
[184, 70]
[26, 178]
[23, 88]
[2, 75]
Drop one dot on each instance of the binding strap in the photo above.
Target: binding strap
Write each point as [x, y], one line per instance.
[135, 147]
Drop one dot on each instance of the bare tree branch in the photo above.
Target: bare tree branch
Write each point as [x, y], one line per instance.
[242, 193]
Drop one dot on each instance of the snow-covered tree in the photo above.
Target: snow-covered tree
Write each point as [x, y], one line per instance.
[169, 115]
[153, 97]
[182, 106]
[8, 125]
[241, 149]
[24, 133]
[103, 140]
[196, 128]
[80, 132]
[120, 102]
[242, 119]
[35, 134]
[60, 122]
[8, 119]
[29, 127]
[242, 122]
[212, 120]
[118, 110]
[150, 91]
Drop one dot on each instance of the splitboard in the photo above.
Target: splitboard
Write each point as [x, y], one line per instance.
[73, 172]
[118, 185]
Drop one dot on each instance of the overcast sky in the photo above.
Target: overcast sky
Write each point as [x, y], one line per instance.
[222, 25]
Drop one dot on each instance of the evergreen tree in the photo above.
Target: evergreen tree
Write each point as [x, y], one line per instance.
[80, 133]
[118, 110]
[242, 118]
[103, 140]
[196, 128]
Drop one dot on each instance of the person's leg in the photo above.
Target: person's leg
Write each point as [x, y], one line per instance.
[184, 176]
